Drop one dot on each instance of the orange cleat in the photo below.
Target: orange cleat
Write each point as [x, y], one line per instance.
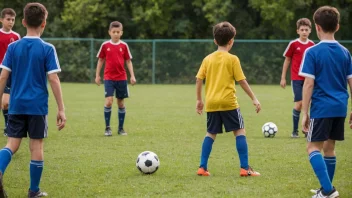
[249, 172]
[202, 172]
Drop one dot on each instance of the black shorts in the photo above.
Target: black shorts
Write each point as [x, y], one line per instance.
[322, 129]
[36, 126]
[119, 87]
[7, 90]
[232, 120]
[297, 88]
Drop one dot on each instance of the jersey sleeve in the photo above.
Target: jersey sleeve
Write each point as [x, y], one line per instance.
[349, 68]
[52, 62]
[307, 68]
[101, 53]
[289, 50]
[202, 70]
[237, 70]
[7, 61]
[127, 55]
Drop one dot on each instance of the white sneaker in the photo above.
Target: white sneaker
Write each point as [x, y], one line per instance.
[332, 194]
[315, 191]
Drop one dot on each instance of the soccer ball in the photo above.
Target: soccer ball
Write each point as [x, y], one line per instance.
[147, 162]
[269, 129]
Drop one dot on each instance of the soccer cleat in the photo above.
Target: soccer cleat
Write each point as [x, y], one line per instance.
[332, 194]
[108, 131]
[305, 133]
[295, 134]
[121, 132]
[315, 191]
[202, 172]
[2, 190]
[249, 172]
[32, 194]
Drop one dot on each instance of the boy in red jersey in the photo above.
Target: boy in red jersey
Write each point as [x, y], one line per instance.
[294, 54]
[114, 53]
[7, 36]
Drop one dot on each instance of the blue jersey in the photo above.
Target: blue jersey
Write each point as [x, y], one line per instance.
[30, 60]
[330, 65]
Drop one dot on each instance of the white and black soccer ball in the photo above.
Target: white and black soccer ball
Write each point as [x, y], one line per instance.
[147, 162]
[269, 129]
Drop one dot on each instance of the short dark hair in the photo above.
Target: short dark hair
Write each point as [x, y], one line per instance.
[7, 11]
[115, 24]
[223, 32]
[327, 17]
[303, 22]
[34, 14]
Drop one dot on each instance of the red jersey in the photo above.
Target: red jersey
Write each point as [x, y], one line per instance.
[5, 39]
[115, 55]
[295, 51]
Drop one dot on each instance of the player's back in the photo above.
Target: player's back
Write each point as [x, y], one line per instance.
[30, 60]
[332, 65]
[222, 69]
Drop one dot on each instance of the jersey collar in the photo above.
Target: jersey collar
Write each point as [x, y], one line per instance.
[1, 30]
[115, 43]
[32, 37]
[303, 42]
[328, 41]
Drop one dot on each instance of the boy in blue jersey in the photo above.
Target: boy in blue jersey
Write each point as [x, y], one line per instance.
[327, 68]
[30, 62]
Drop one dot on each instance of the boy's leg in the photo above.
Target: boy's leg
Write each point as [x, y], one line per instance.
[37, 130]
[330, 158]
[5, 106]
[297, 88]
[121, 93]
[109, 93]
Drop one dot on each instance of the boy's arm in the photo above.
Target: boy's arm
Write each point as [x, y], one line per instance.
[245, 86]
[284, 71]
[56, 87]
[97, 72]
[130, 69]
[3, 79]
[199, 105]
[350, 85]
[307, 96]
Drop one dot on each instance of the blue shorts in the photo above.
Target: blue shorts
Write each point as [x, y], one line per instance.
[232, 120]
[322, 129]
[297, 88]
[7, 90]
[119, 87]
[35, 125]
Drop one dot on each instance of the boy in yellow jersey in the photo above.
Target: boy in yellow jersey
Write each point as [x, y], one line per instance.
[221, 69]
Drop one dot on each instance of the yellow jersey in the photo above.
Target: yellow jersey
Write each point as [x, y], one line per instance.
[220, 70]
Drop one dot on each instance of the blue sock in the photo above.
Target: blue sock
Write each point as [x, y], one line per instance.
[122, 113]
[319, 167]
[5, 113]
[330, 163]
[295, 115]
[242, 149]
[107, 115]
[35, 171]
[206, 150]
[5, 158]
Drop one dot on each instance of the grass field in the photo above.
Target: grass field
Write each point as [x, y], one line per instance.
[81, 162]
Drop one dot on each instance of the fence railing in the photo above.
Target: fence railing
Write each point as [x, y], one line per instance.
[173, 61]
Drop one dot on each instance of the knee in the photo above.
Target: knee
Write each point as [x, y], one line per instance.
[121, 104]
[108, 102]
[13, 147]
[298, 106]
[329, 150]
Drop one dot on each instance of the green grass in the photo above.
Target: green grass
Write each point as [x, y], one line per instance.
[81, 162]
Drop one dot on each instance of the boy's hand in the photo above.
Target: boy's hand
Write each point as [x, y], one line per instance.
[60, 120]
[133, 80]
[305, 122]
[256, 103]
[283, 83]
[350, 122]
[199, 107]
[97, 80]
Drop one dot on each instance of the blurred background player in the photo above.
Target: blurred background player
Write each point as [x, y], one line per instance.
[293, 54]
[114, 53]
[327, 68]
[220, 70]
[7, 36]
[29, 95]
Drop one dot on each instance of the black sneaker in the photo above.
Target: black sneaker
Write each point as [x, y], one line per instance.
[2, 190]
[108, 131]
[295, 134]
[121, 132]
[321, 194]
[32, 194]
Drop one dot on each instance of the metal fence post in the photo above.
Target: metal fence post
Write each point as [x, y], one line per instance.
[153, 60]
[92, 60]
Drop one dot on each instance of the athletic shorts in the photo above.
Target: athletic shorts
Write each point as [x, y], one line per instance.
[322, 129]
[297, 88]
[232, 120]
[36, 126]
[119, 87]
